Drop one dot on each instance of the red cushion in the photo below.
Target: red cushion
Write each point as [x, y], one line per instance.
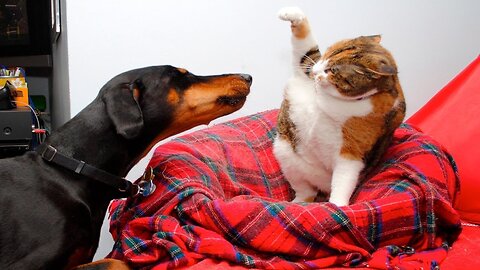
[220, 194]
[452, 117]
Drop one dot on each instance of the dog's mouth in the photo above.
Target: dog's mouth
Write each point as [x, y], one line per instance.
[238, 93]
[233, 101]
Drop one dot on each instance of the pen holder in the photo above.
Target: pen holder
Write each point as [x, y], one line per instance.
[21, 89]
[7, 97]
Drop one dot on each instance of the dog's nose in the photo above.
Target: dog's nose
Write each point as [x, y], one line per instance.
[247, 78]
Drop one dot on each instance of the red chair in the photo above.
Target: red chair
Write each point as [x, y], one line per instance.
[452, 117]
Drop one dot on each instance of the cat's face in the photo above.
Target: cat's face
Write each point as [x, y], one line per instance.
[355, 69]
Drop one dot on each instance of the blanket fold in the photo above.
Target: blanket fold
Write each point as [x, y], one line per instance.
[221, 196]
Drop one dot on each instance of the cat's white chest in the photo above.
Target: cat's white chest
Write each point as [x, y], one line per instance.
[320, 139]
[318, 119]
[319, 136]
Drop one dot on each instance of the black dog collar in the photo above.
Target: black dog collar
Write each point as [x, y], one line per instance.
[144, 187]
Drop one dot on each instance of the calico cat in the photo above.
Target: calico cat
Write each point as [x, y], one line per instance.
[339, 112]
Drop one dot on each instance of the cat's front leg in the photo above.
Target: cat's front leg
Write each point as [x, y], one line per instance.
[344, 180]
[305, 49]
[304, 191]
[302, 38]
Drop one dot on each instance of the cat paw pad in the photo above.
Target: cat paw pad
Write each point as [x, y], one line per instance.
[293, 14]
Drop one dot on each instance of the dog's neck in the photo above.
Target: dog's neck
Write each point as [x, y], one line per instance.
[96, 144]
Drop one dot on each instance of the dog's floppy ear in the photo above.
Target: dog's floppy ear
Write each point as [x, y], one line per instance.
[123, 108]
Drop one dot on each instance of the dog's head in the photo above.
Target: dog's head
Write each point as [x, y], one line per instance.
[153, 103]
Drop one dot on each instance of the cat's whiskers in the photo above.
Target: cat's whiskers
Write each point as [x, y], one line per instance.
[307, 65]
[309, 58]
[302, 55]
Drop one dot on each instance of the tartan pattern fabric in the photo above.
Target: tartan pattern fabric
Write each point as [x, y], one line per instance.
[221, 195]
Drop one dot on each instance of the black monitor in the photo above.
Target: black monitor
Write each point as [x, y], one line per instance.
[25, 27]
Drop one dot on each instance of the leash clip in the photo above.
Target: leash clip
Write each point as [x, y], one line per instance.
[146, 186]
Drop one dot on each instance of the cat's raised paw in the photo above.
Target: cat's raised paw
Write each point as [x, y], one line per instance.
[293, 14]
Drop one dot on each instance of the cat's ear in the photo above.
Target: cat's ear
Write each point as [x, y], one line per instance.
[375, 38]
[386, 69]
[383, 69]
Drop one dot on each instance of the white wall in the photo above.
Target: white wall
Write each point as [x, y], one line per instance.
[432, 40]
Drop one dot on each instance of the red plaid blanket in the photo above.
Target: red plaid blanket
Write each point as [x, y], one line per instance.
[221, 195]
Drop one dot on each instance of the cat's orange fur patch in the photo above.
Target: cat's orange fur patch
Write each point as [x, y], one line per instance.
[382, 103]
[285, 126]
[361, 133]
[301, 30]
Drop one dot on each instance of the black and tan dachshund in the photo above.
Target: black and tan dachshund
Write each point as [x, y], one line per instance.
[53, 200]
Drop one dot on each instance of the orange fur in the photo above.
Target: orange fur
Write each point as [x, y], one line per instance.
[301, 30]
[285, 126]
[79, 256]
[361, 133]
[182, 70]
[105, 264]
[173, 98]
[369, 60]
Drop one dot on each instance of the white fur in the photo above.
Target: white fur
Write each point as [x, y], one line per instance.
[345, 178]
[296, 16]
[318, 114]
[293, 14]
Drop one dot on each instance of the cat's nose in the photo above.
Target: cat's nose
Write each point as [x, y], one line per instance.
[320, 78]
[318, 70]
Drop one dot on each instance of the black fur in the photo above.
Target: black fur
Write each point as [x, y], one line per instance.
[51, 217]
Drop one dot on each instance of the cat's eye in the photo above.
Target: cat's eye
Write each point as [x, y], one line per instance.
[333, 69]
[358, 70]
[347, 69]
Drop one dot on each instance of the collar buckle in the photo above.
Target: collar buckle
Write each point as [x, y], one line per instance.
[49, 153]
[146, 185]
